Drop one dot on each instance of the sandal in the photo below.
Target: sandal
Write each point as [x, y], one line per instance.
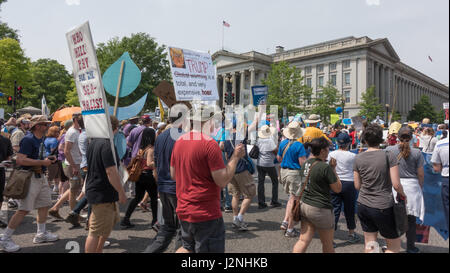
[144, 207]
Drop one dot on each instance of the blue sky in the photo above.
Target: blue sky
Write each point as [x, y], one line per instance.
[416, 28]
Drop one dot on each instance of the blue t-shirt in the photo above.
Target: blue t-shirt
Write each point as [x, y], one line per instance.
[229, 150]
[162, 154]
[50, 144]
[33, 148]
[290, 160]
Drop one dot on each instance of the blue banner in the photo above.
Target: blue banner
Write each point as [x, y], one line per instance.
[260, 94]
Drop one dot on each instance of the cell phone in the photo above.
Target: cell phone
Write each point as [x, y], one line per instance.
[51, 157]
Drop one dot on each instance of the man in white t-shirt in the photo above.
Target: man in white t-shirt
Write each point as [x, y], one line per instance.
[347, 197]
[440, 164]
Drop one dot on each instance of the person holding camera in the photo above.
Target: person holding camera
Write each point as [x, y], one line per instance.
[31, 157]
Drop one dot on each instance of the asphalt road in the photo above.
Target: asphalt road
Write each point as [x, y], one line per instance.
[264, 234]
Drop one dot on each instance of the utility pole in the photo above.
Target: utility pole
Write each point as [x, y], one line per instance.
[15, 97]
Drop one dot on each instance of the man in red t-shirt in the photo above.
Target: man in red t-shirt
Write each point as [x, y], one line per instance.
[197, 166]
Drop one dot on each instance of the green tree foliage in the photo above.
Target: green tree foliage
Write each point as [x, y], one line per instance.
[397, 116]
[370, 108]
[5, 30]
[286, 88]
[51, 79]
[423, 109]
[326, 104]
[14, 66]
[72, 96]
[148, 56]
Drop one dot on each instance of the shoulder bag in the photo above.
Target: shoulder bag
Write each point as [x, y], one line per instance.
[254, 153]
[296, 208]
[18, 184]
[135, 167]
[400, 210]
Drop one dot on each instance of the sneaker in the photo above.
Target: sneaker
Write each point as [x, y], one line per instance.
[8, 245]
[55, 214]
[45, 237]
[262, 206]
[73, 218]
[126, 224]
[241, 225]
[228, 209]
[284, 226]
[413, 250]
[275, 204]
[353, 238]
[293, 234]
[12, 204]
[334, 245]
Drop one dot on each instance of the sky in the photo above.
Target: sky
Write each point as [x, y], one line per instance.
[416, 28]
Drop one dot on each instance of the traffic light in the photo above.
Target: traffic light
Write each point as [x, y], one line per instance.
[232, 98]
[10, 100]
[19, 92]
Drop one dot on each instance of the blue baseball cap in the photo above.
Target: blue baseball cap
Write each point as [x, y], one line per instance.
[343, 138]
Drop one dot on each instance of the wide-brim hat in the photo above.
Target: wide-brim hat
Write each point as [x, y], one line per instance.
[204, 113]
[313, 119]
[293, 130]
[266, 131]
[39, 119]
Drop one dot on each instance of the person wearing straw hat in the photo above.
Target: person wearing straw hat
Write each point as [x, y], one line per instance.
[312, 132]
[31, 157]
[200, 173]
[265, 164]
[292, 155]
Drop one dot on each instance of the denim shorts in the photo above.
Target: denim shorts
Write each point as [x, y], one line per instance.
[204, 237]
[378, 220]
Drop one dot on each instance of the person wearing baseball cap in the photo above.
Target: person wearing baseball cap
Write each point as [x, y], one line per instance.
[411, 162]
[347, 197]
[135, 136]
[31, 157]
[23, 125]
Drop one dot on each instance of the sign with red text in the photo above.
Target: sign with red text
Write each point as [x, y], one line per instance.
[88, 81]
[193, 74]
[446, 113]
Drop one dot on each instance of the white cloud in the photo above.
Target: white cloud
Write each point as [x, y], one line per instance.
[73, 2]
[373, 2]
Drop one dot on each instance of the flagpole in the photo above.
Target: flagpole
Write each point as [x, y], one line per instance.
[223, 35]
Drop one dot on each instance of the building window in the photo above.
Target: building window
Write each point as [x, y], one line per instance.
[333, 66]
[347, 96]
[308, 70]
[320, 68]
[309, 82]
[319, 95]
[347, 78]
[346, 64]
[333, 79]
[320, 82]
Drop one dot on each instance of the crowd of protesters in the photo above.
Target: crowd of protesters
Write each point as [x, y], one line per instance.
[195, 174]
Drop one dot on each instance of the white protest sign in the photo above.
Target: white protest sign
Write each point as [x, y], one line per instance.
[193, 74]
[89, 82]
[2, 113]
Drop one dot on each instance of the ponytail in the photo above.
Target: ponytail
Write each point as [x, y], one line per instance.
[405, 149]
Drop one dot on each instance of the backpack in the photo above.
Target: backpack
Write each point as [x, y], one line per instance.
[135, 167]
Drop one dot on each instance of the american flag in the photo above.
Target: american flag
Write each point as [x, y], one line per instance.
[430, 59]
[226, 24]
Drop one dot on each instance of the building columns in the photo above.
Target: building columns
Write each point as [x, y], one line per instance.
[241, 97]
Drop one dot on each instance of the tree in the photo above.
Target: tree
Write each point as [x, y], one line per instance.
[370, 108]
[326, 103]
[51, 79]
[148, 56]
[72, 96]
[14, 66]
[286, 88]
[397, 116]
[423, 109]
[5, 30]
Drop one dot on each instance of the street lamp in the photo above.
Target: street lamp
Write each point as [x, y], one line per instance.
[229, 95]
[387, 113]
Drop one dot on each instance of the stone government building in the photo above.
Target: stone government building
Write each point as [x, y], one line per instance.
[351, 64]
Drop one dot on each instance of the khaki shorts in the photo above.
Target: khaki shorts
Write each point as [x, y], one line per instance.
[103, 218]
[39, 195]
[291, 181]
[242, 184]
[75, 185]
[320, 218]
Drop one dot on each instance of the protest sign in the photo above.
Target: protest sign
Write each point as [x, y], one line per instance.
[334, 118]
[166, 92]
[260, 94]
[193, 74]
[358, 123]
[88, 80]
